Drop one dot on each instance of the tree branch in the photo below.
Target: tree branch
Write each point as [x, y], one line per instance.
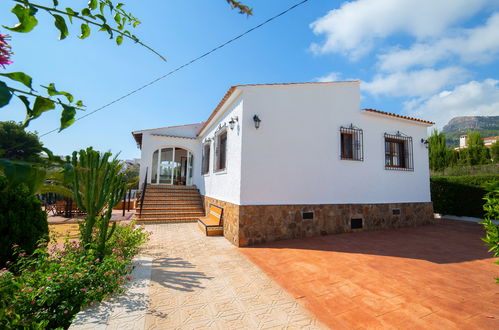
[134, 39]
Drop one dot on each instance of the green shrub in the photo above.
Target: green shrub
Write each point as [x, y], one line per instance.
[491, 209]
[50, 287]
[22, 220]
[460, 195]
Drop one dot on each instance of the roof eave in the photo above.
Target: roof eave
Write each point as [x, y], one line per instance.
[228, 98]
[411, 120]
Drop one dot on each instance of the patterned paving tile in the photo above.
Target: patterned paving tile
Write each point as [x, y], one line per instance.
[200, 282]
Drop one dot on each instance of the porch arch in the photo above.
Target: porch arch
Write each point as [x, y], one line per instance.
[172, 165]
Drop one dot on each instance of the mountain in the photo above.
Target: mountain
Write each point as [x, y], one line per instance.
[486, 125]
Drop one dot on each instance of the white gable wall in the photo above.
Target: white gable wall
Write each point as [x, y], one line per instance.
[225, 185]
[294, 157]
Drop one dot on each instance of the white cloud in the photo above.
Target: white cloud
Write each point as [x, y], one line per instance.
[469, 99]
[414, 84]
[333, 76]
[353, 28]
[477, 45]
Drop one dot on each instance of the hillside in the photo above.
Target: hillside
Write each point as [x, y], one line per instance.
[486, 125]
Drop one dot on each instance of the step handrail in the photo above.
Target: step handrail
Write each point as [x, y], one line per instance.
[143, 193]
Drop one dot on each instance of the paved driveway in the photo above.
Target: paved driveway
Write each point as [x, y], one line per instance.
[437, 276]
[206, 283]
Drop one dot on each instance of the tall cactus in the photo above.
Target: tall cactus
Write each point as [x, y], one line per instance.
[98, 186]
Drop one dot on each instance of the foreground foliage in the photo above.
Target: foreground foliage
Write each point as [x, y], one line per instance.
[491, 208]
[22, 220]
[48, 288]
[460, 195]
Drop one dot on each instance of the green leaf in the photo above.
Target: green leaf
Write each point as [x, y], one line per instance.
[85, 31]
[108, 29]
[67, 117]
[117, 18]
[25, 100]
[56, 3]
[101, 17]
[101, 7]
[60, 23]
[119, 40]
[136, 23]
[18, 173]
[92, 4]
[86, 12]
[41, 105]
[5, 94]
[79, 103]
[51, 90]
[119, 5]
[20, 77]
[71, 13]
[26, 17]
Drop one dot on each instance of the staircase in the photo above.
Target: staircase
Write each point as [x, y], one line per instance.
[167, 203]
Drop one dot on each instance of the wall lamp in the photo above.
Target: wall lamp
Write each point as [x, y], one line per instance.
[257, 121]
[425, 142]
[233, 121]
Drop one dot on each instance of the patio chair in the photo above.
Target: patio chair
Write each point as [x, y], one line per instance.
[212, 224]
[59, 208]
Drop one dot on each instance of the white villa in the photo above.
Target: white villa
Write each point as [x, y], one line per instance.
[296, 160]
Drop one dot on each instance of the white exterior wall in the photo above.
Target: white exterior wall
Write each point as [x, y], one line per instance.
[225, 185]
[294, 157]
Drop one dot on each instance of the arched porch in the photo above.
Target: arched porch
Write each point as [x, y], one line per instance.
[172, 166]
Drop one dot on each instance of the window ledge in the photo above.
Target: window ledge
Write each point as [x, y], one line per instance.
[396, 168]
[220, 172]
[354, 159]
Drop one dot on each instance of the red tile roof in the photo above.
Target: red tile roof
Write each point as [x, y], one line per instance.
[233, 88]
[400, 116]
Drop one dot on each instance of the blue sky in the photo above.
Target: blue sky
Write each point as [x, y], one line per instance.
[430, 59]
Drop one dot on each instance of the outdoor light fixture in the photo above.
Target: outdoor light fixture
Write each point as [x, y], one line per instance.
[425, 142]
[257, 121]
[232, 122]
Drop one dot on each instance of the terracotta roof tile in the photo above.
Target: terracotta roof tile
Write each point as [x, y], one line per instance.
[400, 116]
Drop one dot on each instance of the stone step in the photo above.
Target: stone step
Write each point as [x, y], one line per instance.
[161, 214]
[172, 199]
[163, 220]
[172, 204]
[176, 188]
[171, 189]
[170, 195]
[196, 208]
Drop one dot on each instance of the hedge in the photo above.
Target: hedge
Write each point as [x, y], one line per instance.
[460, 195]
[22, 220]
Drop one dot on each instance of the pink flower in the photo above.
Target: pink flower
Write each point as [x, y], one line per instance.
[84, 290]
[14, 246]
[65, 311]
[97, 260]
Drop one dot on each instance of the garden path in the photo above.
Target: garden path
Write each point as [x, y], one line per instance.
[205, 282]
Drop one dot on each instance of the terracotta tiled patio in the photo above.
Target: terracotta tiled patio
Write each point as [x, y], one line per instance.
[437, 276]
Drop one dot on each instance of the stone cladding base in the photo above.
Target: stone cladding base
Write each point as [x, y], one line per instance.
[246, 225]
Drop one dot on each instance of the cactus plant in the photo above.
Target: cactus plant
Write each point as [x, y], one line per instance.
[98, 186]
